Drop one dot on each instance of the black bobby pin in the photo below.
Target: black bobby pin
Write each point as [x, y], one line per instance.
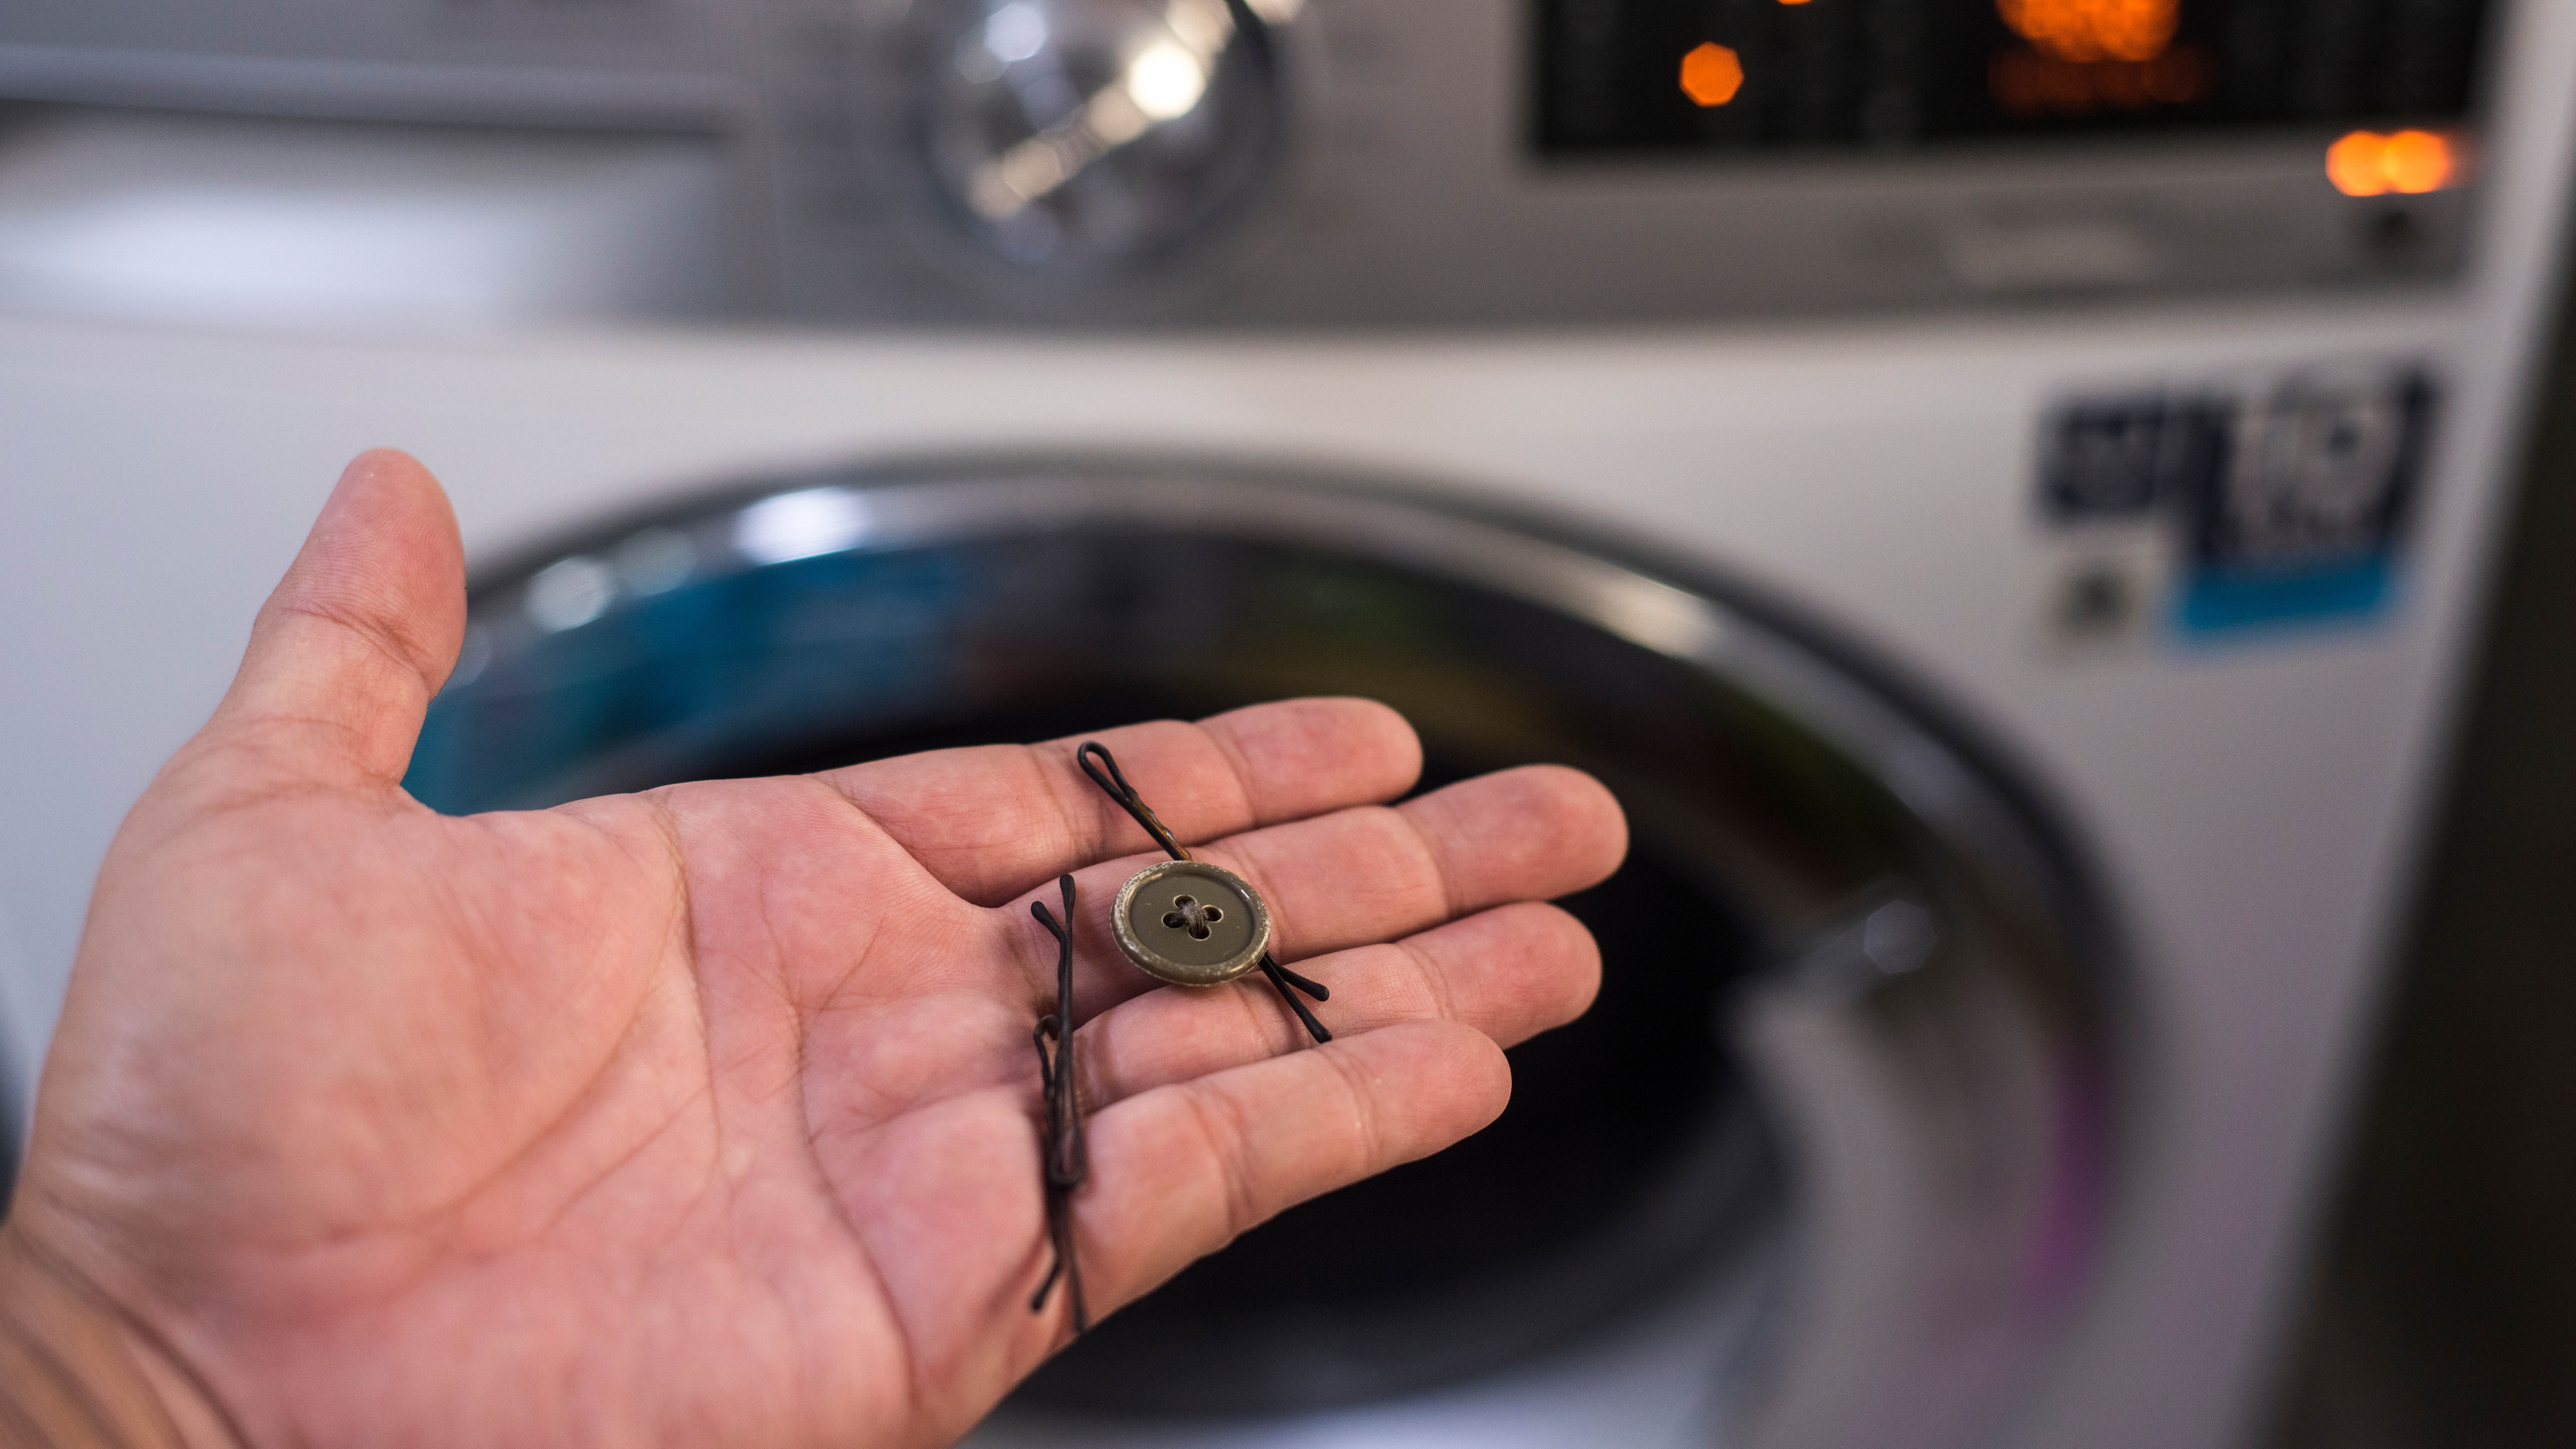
[1210, 936]
[1113, 782]
[1114, 785]
[1068, 1153]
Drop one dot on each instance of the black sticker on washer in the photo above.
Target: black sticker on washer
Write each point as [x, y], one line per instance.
[2282, 504]
[2118, 459]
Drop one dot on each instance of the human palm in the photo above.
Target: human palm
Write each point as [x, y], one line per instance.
[709, 1115]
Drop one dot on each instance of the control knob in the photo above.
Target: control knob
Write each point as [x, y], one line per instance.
[1091, 135]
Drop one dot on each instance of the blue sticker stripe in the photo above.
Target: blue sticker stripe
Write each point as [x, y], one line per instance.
[2231, 601]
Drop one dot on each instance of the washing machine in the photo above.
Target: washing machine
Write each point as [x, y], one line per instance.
[2001, 491]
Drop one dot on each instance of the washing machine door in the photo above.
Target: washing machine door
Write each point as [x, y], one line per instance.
[1827, 1162]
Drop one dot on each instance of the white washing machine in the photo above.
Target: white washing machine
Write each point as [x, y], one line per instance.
[2002, 496]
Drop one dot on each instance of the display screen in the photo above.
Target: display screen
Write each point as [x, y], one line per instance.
[1662, 76]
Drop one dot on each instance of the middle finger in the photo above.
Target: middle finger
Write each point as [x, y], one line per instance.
[1367, 874]
[1510, 972]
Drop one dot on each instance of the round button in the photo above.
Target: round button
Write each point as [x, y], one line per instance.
[1077, 135]
[1191, 923]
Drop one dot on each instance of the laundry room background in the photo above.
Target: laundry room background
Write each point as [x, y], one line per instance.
[2005, 491]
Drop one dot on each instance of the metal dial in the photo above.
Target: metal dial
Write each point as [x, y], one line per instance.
[1084, 135]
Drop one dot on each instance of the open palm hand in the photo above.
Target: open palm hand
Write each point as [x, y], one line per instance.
[709, 1115]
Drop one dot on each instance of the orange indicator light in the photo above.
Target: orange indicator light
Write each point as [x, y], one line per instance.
[2416, 162]
[2090, 30]
[2409, 163]
[1711, 75]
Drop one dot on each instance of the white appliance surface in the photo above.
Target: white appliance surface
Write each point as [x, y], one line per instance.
[2250, 803]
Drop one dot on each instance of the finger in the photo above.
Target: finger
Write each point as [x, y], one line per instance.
[360, 633]
[1371, 873]
[1364, 875]
[995, 821]
[1182, 1170]
[1510, 972]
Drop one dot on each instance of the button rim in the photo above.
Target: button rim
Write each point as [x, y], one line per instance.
[1162, 968]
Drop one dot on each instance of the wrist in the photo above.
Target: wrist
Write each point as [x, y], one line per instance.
[77, 1373]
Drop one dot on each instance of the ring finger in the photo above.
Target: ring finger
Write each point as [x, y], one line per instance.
[1509, 972]
[1366, 874]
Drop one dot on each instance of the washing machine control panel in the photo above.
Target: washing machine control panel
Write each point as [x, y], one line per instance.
[1340, 163]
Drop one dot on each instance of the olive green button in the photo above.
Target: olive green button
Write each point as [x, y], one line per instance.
[1191, 923]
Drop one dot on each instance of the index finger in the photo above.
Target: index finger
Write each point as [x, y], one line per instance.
[993, 821]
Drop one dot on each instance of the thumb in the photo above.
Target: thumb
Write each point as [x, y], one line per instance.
[359, 634]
